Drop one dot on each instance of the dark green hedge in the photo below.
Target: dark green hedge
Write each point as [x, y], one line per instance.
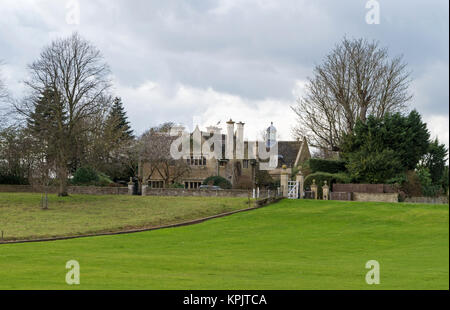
[326, 165]
[217, 181]
[85, 175]
[13, 179]
[321, 177]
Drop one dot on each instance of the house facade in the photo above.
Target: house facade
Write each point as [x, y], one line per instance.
[236, 160]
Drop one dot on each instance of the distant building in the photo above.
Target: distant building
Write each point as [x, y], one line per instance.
[239, 170]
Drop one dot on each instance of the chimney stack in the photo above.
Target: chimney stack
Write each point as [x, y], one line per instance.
[229, 154]
[240, 141]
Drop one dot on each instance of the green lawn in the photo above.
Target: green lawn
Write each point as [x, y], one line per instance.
[22, 218]
[289, 245]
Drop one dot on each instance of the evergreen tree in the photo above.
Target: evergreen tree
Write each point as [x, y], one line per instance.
[118, 123]
[47, 122]
[380, 148]
[435, 161]
[117, 139]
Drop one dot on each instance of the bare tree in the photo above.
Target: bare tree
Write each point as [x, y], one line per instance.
[356, 79]
[155, 151]
[75, 72]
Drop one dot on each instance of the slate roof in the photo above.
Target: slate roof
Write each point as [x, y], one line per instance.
[287, 152]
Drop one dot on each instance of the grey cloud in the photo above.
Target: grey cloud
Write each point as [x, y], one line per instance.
[252, 49]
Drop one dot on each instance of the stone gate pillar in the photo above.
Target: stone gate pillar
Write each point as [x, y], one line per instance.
[130, 187]
[326, 191]
[301, 180]
[314, 189]
[284, 181]
[144, 189]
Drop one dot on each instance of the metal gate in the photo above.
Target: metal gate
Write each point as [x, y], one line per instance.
[292, 189]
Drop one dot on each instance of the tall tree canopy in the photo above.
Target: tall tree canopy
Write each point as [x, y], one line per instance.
[380, 148]
[118, 140]
[118, 121]
[435, 161]
[74, 71]
[355, 80]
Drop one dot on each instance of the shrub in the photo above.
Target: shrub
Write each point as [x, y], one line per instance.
[263, 178]
[84, 176]
[244, 182]
[326, 165]
[305, 168]
[373, 167]
[217, 181]
[176, 185]
[13, 179]
[428, 188]
[321, 177]
[103, 180]
[411, 185]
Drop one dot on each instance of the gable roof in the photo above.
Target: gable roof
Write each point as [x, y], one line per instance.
[287, 153]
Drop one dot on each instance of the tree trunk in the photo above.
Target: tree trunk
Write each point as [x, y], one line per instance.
[62, 176]
[362, 113]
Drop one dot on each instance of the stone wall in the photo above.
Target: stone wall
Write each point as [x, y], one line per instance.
[198, 192]
[377, 197]
[88, 190]
[434, 200]
[93, 190]
[364, 188]
[341, 195]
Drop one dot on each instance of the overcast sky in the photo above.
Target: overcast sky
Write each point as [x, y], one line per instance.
[208, 61]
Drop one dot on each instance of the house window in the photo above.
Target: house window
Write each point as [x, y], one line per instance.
[192, 185]
[156, 184]
[196, 161]
[245, 163]
[223, 163]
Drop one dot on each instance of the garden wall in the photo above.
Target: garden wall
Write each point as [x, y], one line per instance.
[435, 200]
[364, 188]
[93, 190]
[88, 190]
[377, 197]
[199, 193]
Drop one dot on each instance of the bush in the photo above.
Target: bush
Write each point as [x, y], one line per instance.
[305, 168]
[373, 167]
[428, 188]
[321, 177]
[326, 165]
[176, 185]
[85, 176]
[217, 181]
[244, 182]
[411, 185]
[13, 179]
[103, 180]
[263, 178]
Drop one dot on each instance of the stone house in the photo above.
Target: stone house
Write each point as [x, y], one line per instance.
[241, 169]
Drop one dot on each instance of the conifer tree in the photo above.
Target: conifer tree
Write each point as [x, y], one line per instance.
[118, 123]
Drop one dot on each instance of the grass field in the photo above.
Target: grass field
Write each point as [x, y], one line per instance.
[21, 217]
[289, 245]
